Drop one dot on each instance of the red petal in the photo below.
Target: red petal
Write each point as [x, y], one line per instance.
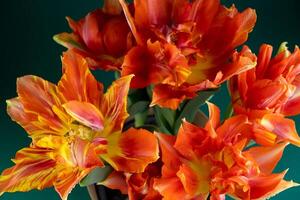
[152, 12]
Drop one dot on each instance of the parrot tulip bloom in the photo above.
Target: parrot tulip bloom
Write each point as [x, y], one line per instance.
[213, 161]
[74, 128]
[197, 46]
[269, 92]
[102, 37]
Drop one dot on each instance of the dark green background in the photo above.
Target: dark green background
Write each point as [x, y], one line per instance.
[27, 27]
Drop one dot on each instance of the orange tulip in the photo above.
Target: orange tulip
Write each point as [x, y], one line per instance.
[74, 128]
[269, 92]
[194, 46]
[102, 37]
[213, 161]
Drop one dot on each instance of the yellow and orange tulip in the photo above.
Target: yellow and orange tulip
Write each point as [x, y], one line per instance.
[74, 127]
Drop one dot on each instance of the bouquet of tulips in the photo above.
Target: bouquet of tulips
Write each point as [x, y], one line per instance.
[147, 135]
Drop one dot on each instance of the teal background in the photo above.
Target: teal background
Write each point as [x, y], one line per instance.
[27, 27]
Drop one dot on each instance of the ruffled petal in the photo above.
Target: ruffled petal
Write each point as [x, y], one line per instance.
[132, 150]
[168, 96]
[156, 63]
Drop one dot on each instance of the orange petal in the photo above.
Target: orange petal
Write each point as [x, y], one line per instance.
[241, 62]
[195, 182]
[112, 7]
[77, 82]
[16, 111]
[170, 188]
[189, 138]
[116, 181]
[170, 157]
[85, 113]
[33, 170]
[292, 106]
[282, 186]
[130, 21]
[267, 157]
[266, 94]
[132, 150]
[263, 60]
[284, 128]
[114, 105]
[38, 97]
[168, 96]
[235, 128]
[67, 180]
[214, 119]
[263, 185]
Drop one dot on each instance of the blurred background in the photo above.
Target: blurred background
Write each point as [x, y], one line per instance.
[27, 48]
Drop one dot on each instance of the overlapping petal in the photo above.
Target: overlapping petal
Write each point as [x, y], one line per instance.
[156, 63]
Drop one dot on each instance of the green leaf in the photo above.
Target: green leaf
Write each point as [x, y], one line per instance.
[161, 121]
[200, 119]
[96, 175]
[229, 111]
[138, 107]
[192, 107]
[67, 40]
[140, 118]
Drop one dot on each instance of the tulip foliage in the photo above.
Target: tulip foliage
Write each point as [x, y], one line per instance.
[146, 135]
